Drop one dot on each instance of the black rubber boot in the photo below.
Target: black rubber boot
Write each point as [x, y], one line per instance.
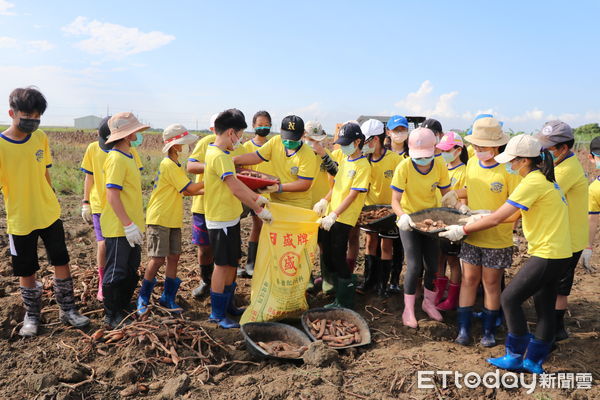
[250, 260]
[383, 276]
[203, 289]
[561, 331]
[370, 275]
[397, 260]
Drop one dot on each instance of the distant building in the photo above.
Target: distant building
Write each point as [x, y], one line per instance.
[87, 122]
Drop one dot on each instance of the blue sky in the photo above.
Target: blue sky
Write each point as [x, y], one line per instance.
[182, 61]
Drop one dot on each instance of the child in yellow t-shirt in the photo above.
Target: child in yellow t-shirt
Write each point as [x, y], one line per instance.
[122, 219]
[593, 205]
[164, 217]
[33, 211]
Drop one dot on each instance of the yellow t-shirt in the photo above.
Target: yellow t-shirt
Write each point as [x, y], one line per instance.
[265, 167]
[594, 197]
[382, 172]
[220, 204]
[419, 189]
[289, 168]
[470, 151]
[93, 164]
[198, 155]
[487, 189]
[165, 207]
[321, 183]
[337, 156]
[29, 200]
[351, 175]
[458, 176]
[545, 216]
[121, 172]
[571, 179]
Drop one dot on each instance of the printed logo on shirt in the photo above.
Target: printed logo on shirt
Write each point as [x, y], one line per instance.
[388, 174]
[562, 196]
[294, 170]
[39, 155]
[351, 173]
[453, 181]
[496, 187]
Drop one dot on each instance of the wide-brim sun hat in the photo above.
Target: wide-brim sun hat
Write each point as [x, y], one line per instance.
[122, 125]
[520, 146]
[487, 132]
[177, 134]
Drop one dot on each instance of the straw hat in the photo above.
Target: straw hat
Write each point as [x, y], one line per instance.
[176, 134]
[122, 125]
[487, 132]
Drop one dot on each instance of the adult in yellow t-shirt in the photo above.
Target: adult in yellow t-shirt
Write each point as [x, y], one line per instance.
[340, 210]
[122, 219]
[32, 210]
[223, 207]
[415, 185]
[557, 137]
[164, 218]
[292, 161]
[545, 226]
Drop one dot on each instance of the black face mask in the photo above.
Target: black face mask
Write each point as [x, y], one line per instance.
[28, 125]
[262, 130]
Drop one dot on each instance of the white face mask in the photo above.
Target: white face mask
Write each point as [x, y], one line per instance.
[399, 137]
[367, 149]
[348, 150]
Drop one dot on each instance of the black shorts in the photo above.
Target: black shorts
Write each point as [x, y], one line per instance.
[226, 245]
[122, 260]
[450, 249]
[565, 281]
[23, 249]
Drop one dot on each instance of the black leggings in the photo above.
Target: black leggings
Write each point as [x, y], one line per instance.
[334, 244]
[538, 278]
[419, 250]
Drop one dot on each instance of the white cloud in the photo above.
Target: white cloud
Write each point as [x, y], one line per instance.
[5, 7]
[422, 102]
[7, 42]
[114, 40]
[32, 45]
[416, 102]
[531, 115]
[40, 45]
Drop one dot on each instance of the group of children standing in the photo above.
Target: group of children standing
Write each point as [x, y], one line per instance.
[493, 182]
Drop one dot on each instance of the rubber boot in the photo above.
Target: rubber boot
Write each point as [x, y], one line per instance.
[351, 263]
[385, 267]
[167, 299]
[68, 313]
[464, 315]
[144, 296]
[218, 303]
[113, 313]
[537, 351]
[203, 289]
[100, 295]
[329, 277]
[441, 284]
[515, 349]
[452, 300]
[489, 327]
[429, 307]
[126, 294]
[370, 275]
[397, 260]
[32, 300]
[248, 271]
[231, 308]
[344, 294]
[408, 315]
[561, 331]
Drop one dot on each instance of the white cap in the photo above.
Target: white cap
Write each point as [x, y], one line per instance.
[372, 127]
[314, 130]
[520, 146]
[212, 120]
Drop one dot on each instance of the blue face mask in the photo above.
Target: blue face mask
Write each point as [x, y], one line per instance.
[597, 164]
[138, 141]
[448, 157]
[510, 169]
[348, 150]
[423, 161]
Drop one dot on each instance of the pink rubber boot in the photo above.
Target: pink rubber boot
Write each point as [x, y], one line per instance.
[100, 295]
[452, 300]
[441, 283]
[429, 307]
[408, 315]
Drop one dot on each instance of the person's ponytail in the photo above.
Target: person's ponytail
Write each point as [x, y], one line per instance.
[464, 155]
[545, 163]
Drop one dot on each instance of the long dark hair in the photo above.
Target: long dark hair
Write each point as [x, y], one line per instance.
[545, 163]
[464, 154]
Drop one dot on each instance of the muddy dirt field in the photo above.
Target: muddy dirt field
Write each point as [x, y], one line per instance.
[192, 359]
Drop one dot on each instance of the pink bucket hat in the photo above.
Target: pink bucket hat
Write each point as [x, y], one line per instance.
[449, 140]
[421, 143]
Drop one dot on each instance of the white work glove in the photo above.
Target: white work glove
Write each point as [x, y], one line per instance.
[321, 207]
[586, 260]
[133, 235]
[262, 201]
[450, 199]
[275, 188]
[472, 218]
[453, 233]
[328, 221]
[464, 209]
[265, 215]
[405, 223]
[86, 213]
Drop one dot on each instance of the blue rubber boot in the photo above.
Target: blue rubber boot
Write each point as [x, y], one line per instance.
[489, 327]
[537, 351]
[218, 302]
[231, 308]
[167, 299]
[144, 296]
[464, 325]
[515, 349]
